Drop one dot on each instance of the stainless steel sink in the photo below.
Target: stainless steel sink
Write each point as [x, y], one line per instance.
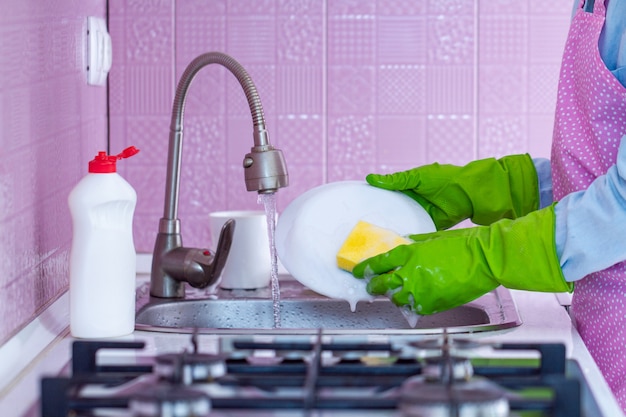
[304, 311]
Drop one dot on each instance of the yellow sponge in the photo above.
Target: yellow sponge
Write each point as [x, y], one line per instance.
[364, 241]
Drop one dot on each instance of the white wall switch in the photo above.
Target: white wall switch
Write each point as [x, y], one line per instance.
[99, 55]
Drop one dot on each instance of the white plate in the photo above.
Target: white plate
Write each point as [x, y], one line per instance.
[313, 227]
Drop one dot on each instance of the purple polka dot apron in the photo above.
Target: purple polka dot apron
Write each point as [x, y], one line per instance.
[590, 120]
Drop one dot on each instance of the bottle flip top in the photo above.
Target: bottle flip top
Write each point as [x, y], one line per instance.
[103, 163]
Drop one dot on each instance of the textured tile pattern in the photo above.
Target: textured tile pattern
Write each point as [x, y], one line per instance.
[348, 86]
[51, 124]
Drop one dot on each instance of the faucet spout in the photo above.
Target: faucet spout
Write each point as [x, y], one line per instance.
[264, 169]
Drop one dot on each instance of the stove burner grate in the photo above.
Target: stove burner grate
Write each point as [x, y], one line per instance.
[339, 376]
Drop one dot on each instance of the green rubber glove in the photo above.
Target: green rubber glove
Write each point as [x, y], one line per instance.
[443, 270]
[484, 191]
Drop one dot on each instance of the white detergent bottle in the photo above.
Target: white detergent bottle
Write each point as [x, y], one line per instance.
[102, 257]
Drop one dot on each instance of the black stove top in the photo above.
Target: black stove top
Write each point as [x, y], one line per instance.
[440, 377]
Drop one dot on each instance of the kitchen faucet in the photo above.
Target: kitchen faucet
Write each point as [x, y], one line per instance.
[265, 172]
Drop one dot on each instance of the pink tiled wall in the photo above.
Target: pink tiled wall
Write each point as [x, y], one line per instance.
[349, 87]
[51, 124]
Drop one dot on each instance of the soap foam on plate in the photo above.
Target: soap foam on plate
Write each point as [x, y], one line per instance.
[313, 227]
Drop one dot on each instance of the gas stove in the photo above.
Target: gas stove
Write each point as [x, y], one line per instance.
[320, 376]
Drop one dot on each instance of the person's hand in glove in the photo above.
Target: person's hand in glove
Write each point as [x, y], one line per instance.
[543, 251]
[443, 270]
[484, 191]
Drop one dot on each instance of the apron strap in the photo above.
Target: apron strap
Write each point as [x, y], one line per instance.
[593, 6]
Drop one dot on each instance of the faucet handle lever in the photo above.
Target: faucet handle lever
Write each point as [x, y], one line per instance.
[223, 248]
[199, 267]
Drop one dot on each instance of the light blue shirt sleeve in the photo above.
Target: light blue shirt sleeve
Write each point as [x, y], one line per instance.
[544, 176]
[591, 224]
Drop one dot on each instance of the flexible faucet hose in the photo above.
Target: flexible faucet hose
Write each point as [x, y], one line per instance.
[176, 125]
[252, 96]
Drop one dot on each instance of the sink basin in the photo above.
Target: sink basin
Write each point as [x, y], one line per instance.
[304, 311]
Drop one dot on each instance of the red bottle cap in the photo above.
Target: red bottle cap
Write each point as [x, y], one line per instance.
[104, 163]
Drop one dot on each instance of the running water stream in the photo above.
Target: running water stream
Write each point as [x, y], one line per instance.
[269, 202]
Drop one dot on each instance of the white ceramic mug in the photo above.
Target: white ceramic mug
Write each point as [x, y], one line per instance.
[249, 264]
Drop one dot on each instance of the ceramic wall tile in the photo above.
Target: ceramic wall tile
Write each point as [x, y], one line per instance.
[251, 7]
[302, 138]
[502, 135]
[451, 40]
[503, 89]
[299, 90]
[300, 7]
[503, 40]
[351, 8]
[542, 88]
[400, 140]
[202, 7]
[451, 138]
[511, 7]
[401, 89]
[141, 7]
[252, 37]
[450, 89]
[351, 89]
[351, 140]
[451, 7]
[401, 7]
[545, 46]
[553, 8]
[300, 39]
[155, 79]
[401, 40]
[351, 40]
